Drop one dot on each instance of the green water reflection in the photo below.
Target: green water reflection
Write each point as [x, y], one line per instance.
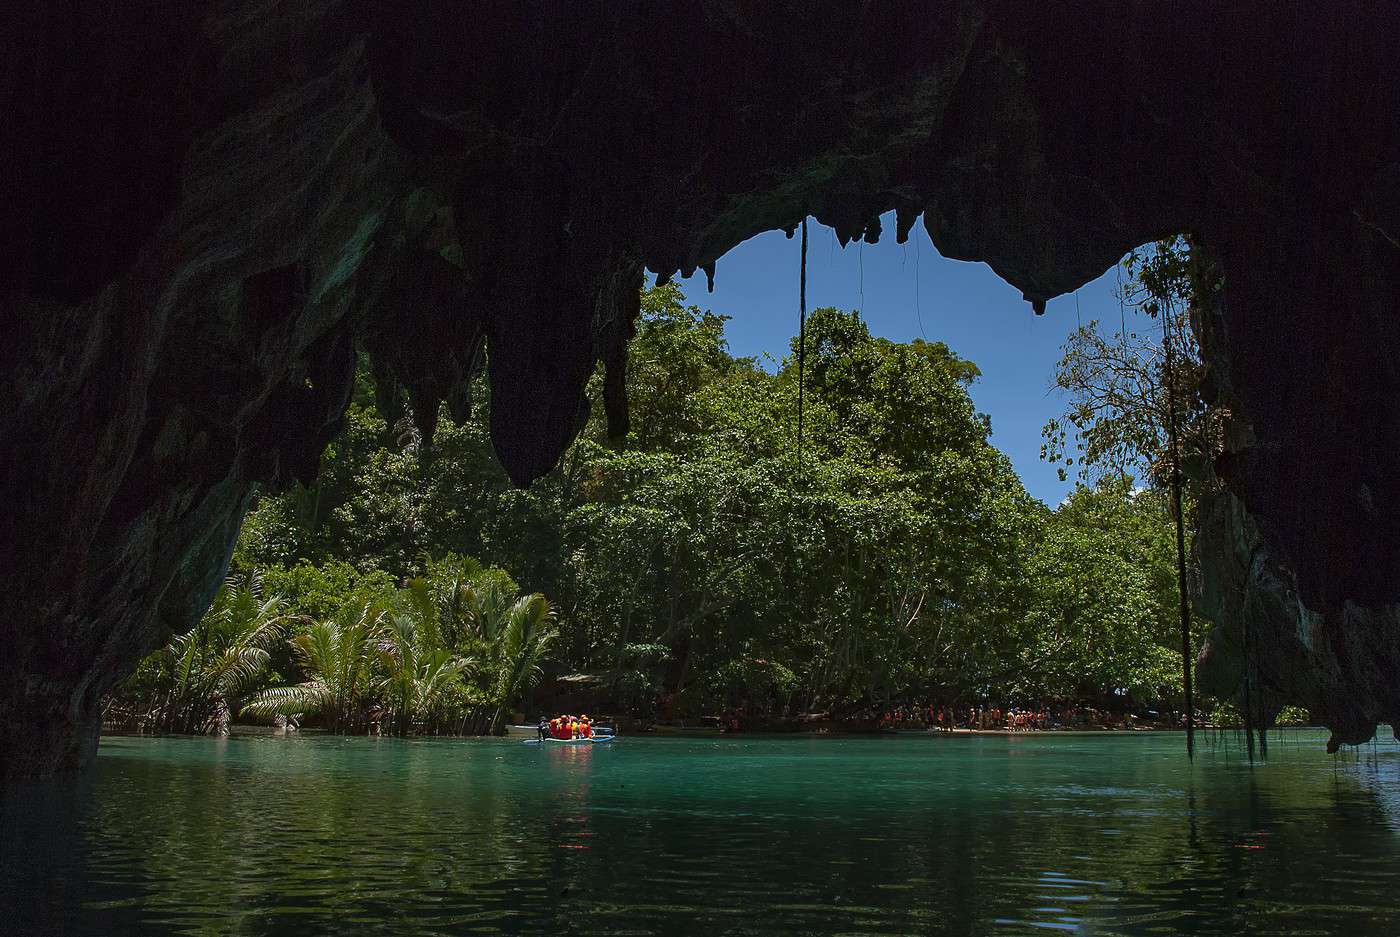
[1090, 835]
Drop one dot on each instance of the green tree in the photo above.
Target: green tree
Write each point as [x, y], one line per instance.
[420, 669]
[902, 558]
[478, 624]
[1121, 394]
[195, 683]
[678, 351]
[525, 634]
[336, 655]
[1102, 615]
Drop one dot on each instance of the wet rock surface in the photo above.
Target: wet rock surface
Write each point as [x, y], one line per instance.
[213, 204]
[1269, 647]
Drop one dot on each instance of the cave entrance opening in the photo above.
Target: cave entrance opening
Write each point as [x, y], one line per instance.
[1138, 325]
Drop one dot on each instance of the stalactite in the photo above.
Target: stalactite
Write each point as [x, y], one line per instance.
[904, 219]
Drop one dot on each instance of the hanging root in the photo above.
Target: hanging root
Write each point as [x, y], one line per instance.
[801, 337]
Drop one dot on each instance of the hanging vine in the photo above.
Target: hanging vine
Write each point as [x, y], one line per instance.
[801, 339]
[1174, 452]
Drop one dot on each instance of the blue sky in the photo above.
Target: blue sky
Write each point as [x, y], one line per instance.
[909, 291]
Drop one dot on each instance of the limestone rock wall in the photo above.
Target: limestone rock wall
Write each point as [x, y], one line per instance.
[204, 342]
[1269, 647]
[211, 203]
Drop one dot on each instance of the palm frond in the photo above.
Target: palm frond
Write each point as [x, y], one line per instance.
[290, 700]
[238, 669]
[528, 632]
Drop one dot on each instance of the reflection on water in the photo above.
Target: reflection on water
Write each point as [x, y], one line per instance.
[1083, 834]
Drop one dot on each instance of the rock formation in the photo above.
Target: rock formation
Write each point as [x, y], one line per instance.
[211, 204]
[1269, 647]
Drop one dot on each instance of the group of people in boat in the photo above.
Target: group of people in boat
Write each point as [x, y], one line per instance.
[565, 728]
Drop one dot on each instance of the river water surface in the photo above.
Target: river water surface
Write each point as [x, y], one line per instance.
[1097, 834]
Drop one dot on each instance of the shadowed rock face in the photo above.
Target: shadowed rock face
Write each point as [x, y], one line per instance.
[1270, 646]
[211, 204]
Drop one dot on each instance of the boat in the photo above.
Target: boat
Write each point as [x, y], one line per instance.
[595, 740]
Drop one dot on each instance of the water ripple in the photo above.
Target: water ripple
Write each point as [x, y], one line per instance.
[1102, 836]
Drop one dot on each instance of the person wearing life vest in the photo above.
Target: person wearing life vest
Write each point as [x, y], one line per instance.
[585, 727]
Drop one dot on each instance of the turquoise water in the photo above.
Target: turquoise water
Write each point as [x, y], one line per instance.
[1106, 834]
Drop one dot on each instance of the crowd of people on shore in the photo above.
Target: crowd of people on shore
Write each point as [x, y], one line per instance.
[989, 717]
[1013, 718]
[932, 717]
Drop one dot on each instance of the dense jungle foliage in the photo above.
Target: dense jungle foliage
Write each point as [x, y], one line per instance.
[699, 565]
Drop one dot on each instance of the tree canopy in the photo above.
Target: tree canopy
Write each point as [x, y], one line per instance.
[701, 565]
